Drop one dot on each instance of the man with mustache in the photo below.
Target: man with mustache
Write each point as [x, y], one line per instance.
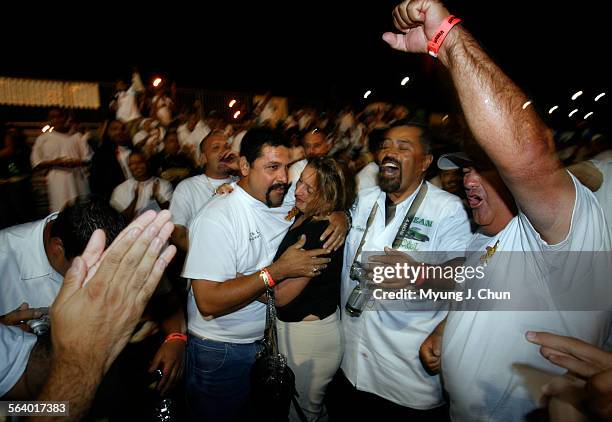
[523, 201]
[233, 240]
[380, 364]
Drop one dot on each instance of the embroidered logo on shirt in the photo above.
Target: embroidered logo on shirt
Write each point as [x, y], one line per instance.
[254, 235]
[415, 234]
[422, 221]
[409, 245]
[489, 253]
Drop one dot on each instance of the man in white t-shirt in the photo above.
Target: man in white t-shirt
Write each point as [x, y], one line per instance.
[142, 191]
[232, 240]
[125, 103]
[597, 175]
[193, 193]
[381, 352]
[524, 201]
[316, 145]
[64, 156]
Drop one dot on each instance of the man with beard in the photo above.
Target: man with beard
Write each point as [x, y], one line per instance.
[524, 201]
[195, 192]
[233, 240]
[381, 365]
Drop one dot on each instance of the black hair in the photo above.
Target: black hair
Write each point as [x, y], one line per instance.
[257, 138]
[426, 136]
[80, 218]
[376, 138]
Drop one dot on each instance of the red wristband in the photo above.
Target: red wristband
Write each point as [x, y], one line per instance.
[176, 336]
[433, 46]
[271, 281]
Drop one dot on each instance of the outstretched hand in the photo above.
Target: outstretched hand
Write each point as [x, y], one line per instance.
[104, 294]
[589, 376]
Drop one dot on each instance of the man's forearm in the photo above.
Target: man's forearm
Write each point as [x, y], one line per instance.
[175, 323]
[289, 290]
[216, 299]
[75, 381]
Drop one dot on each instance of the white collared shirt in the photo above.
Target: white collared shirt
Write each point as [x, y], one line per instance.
[382, 345]
[27, 275]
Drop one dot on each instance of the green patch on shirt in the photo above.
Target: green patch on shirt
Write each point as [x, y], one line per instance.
[423, 221]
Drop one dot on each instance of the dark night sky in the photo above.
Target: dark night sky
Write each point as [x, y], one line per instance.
[313, 50]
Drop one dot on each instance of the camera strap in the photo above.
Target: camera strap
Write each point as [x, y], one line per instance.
[405, 226]
[365, 232]
[414, 208]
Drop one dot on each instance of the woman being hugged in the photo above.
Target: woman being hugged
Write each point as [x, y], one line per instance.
[309, 331]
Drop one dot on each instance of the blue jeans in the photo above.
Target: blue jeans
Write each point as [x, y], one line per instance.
[218, 379]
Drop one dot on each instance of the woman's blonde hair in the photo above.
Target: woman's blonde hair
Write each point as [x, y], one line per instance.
[335, 187]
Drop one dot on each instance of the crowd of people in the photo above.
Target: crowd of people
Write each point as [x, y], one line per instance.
[303, 211]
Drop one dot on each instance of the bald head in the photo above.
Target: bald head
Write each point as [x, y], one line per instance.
[211, 148]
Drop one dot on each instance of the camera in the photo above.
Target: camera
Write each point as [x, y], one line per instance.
[358, 273]
[40, 326]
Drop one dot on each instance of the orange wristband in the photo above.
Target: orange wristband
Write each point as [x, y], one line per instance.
[433, 46]
[176, 336]
[267, 278]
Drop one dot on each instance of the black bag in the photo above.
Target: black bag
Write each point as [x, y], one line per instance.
[272, 381]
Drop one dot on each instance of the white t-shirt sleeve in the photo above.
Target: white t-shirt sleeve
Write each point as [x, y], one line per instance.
[179, 206]
[165, 190]
[15, 348]
[588, 228]
[212, 251]
[295, 171]
[85, 152]
[121, 199]
[36, 155]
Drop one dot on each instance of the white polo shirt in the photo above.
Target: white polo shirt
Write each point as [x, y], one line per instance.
[192, 194]
[382, 345]
[232, 234]
[483, 352]
[124, 194]
[27, 275]
[15, 348]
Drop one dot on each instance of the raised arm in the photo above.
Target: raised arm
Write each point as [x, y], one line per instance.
[515, 139]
